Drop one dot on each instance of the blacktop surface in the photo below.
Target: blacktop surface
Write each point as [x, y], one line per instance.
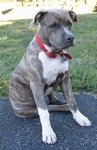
[25, 134]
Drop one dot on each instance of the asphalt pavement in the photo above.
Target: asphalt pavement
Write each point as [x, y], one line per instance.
[25, 134]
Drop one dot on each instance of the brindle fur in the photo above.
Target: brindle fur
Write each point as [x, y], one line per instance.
[27, 84]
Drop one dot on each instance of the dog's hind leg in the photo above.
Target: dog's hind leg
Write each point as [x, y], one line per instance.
[26, 112]
[53, 100]
[22, 101]
[57, 105]
[64, 107]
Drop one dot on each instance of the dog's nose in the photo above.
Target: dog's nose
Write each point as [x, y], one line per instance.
[70, 38]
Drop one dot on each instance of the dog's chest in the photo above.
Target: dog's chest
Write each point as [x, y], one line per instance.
[52, 67]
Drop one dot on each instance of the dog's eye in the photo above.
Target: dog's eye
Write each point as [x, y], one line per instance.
[69, 23]
[54, 25]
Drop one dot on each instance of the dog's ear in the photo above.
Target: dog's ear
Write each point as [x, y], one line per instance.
[73, 15]
[38, 17]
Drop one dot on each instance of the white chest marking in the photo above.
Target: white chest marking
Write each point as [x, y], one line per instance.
[52, 67]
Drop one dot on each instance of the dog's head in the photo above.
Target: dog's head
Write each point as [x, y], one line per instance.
[55, 28]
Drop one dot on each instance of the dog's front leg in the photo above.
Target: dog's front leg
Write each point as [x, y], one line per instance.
[48, 135]
[67, 92]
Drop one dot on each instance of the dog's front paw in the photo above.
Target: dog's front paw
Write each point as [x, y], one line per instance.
[49, 136]
[81, 119]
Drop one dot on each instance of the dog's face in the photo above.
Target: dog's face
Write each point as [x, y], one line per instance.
[55, 28]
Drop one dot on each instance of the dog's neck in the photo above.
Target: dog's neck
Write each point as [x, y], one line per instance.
[48, 51]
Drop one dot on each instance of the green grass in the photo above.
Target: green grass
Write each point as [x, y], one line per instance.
[84, 64]
[15, 37]
[14, 40]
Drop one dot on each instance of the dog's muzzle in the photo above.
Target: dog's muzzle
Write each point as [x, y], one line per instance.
[70, 39]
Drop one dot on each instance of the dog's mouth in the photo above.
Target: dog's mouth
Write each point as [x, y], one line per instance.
[65, 47]
[55, 49]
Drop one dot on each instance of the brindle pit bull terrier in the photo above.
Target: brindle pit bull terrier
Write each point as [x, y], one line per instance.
[43, 67]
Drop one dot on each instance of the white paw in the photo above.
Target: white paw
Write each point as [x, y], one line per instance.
[49, 136]
[81, 119]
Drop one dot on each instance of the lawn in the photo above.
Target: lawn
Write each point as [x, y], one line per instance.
[15, 37]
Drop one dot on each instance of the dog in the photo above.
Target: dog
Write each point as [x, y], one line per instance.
[43, 68]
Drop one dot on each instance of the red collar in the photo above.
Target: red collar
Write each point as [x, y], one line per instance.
[50, 54]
